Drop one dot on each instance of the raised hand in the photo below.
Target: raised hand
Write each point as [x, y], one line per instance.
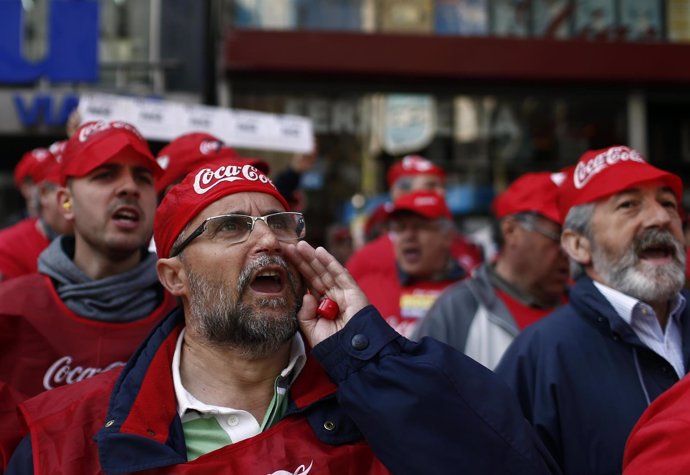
[325, 276]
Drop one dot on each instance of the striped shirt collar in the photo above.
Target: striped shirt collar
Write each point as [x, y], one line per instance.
[187, 402]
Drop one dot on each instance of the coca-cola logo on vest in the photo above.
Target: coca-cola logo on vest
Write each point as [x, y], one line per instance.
[208, 178]
[62, 372]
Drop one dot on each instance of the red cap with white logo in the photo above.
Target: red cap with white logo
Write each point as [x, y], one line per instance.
[531, 193]
[412, 165]
[30, 165]
[428, 204]
[98, 142]
[605, 172]
[189, 151]
[205, 185]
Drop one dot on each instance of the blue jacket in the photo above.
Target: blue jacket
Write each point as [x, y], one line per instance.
[583, 379]
[419, 408]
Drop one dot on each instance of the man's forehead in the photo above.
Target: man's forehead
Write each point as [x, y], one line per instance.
[407, 215]
[242, 203]
[128, 157]
[656, 186]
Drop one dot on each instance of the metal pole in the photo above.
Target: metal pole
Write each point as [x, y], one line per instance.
[210, 88]
[156, 72]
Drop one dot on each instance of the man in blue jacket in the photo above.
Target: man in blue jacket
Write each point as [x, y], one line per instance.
[585, 374]
[249, 376]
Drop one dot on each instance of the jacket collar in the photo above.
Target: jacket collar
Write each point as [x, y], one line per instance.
[595, 308]
[143, 429]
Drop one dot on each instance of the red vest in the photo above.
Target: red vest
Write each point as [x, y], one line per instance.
[46, 345]
[63, 423]
[20, 246]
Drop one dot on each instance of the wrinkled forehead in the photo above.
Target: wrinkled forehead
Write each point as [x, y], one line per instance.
[658, 187]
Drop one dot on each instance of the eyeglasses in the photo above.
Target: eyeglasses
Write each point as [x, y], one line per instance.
[529, 223]
[236, 228]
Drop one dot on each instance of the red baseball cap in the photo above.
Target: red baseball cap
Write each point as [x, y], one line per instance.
[95, 143]
[413, 165]
[607, 171]
[428, 204]
[531, 193]
[29, 166]
[189, 151]
[51, 172]
[203, 186]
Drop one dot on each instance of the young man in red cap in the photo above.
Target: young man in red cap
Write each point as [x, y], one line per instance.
[585, 373]
[22, 243]
[421, 230]
[96, 295]
[375, 261]
[229, 384]
[482, 315]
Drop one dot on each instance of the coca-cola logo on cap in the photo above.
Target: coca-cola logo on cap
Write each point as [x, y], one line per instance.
[91, 128]
[414, 162]
[585, 171]
[423, 201]
[207, 147]
[208, 178]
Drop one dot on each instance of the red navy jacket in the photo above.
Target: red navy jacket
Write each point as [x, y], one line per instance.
[382, 405]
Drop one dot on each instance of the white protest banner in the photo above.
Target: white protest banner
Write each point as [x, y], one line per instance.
[163, 120]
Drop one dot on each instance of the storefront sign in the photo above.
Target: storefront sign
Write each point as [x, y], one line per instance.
[44, 109]
[72, 43]
[165, 120]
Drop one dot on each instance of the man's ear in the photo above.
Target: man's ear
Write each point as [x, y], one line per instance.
[172, 276]
[64, 198]
[577, 246]
[508, 227]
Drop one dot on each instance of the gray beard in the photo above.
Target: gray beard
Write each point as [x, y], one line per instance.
[224, 320]
[630, 275]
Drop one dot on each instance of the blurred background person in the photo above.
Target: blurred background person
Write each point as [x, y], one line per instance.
[189, 151]
[26, 175]
[376, 259]
[482, 315]
[22, 243]
[339, 242]
[421, 231]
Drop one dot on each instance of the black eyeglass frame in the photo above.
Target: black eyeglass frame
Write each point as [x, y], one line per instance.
[529, 222]
[202, 227]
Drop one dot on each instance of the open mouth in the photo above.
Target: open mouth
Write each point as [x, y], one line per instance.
[126, 216]
[268, 281]
[411, 254]
[657, 252]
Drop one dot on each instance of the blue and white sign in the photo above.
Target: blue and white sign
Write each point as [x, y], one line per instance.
[165, 120]
[72, 43]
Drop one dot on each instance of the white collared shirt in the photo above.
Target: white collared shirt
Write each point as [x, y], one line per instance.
[642, 319]
[236, 423]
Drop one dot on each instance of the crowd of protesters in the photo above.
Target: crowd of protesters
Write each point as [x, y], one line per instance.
[166, 314]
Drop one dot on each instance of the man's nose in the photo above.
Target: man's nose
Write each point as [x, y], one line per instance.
[656, 214]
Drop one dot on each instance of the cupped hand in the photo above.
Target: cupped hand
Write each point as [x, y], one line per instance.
[325, 277]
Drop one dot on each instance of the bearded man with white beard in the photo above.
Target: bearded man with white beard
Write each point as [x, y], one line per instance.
[586, 373]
